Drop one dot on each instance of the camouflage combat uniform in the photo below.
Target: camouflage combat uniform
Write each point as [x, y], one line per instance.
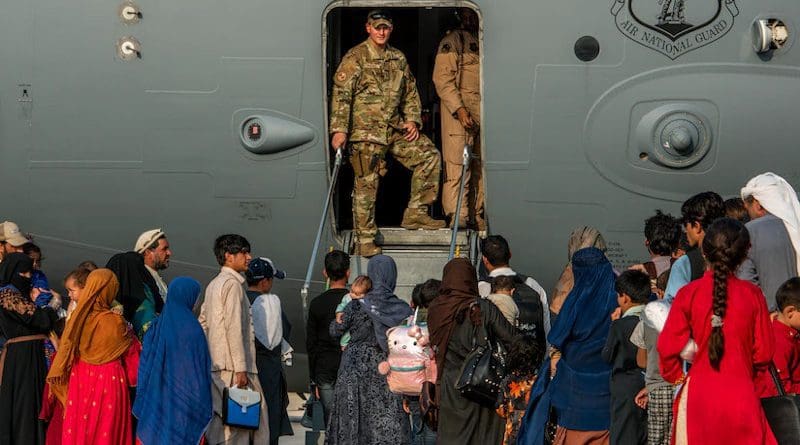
[374, 93]
[456, 74]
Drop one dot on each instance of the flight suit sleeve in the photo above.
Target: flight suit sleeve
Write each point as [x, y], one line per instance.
[445, 75]
[412, 107]
[344, 85]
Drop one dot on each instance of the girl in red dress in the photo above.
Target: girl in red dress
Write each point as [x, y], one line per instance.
[728, 318]
[96, 364]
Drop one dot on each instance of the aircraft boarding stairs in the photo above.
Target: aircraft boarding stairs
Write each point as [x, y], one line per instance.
[419, 254]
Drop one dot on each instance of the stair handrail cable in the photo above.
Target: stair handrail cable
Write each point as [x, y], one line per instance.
[457, 214]
[329, 196]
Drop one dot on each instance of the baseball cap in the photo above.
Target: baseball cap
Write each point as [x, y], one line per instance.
[260, 268]
[10, 234]
[147, 239]
[378, 17]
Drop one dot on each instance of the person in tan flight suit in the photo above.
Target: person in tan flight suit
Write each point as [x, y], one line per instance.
[456, 74]
[375, 104]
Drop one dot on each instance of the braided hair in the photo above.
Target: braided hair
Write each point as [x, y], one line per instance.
[725, 246]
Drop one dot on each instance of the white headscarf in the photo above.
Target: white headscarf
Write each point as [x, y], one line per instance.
[778, 198]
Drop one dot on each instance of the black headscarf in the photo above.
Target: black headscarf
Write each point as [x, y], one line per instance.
[458, 291]
[133, 277]
[11, 268]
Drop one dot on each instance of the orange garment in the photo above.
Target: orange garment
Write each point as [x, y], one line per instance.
[94, 333]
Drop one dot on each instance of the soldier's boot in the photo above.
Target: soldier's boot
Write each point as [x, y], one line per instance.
[367, 249]
[417, 218]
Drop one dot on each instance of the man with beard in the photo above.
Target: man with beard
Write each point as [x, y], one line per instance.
[154, 247]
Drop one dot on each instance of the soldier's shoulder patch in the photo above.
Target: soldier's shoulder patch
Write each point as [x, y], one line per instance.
[341, 76]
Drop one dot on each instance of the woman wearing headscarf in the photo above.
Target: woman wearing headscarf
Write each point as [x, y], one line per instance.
[138, 291]
[577, 391]
[22, 363]
[365, 411]
[453, 330]
[580, 238]
[173, 398]
[97, 362]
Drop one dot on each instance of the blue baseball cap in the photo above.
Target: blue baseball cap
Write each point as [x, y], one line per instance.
[260, 268]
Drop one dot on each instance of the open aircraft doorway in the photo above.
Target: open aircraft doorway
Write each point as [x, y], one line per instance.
[417, 32]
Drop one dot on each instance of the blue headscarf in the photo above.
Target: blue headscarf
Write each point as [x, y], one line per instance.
[173, 397]
[385, 309]
[579, 392]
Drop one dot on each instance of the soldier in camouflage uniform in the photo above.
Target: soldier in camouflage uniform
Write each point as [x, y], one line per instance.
[376, 106]
[456, 74]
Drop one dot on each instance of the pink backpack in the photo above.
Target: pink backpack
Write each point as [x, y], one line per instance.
[411, 360]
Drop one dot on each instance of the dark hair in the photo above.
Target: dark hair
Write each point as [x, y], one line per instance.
[495, 249]
[428, 292]
[734, 208]
[88, 265]
[81, 273]
[337, 263]
[416, 298]
[683, 243]
[502, 282]
[725, 246]
[789, 294]
[662, 233]
[230, 243]
[29, 248]
[635, 284]
[703, 208]
[524, 356]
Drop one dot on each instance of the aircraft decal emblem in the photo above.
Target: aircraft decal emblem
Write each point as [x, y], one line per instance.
[674, 27]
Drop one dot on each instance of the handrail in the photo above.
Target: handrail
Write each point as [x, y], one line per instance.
[464, 166]
[334, 177]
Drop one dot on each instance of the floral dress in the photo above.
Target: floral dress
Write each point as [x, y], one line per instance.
[364, 411]
[516, 393]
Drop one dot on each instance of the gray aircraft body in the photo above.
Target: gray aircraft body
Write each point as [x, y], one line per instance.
[208, 117]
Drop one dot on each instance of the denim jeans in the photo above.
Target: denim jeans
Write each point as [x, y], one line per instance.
[326, 397]
[421, 434]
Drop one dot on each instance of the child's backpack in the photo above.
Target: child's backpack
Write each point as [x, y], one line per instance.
[411, 360]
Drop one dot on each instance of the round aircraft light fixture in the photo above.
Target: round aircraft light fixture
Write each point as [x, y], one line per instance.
[128, 48]
[130, 13]
[769, 35]
[252, 132]
[587, 48]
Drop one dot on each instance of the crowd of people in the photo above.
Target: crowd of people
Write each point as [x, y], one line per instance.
[123, 358]
[665, 352]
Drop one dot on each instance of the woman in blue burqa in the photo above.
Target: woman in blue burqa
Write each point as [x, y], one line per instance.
[365, 412]
[577, 398]
[173, 397]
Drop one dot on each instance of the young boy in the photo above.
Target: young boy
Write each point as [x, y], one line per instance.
[786, 357]
[501, 296]
[628, 421]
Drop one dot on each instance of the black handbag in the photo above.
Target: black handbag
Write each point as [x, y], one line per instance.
[313, 414]
[783, 412]
[484, 369]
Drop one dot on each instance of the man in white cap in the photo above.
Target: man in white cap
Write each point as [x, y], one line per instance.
[11, 239]
[774, 234]
[154, 247]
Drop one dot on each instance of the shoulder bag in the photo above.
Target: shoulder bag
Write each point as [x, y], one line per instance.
[782, 412]
[484, 369]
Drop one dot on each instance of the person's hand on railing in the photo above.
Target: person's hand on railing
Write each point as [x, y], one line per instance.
[339, 140]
